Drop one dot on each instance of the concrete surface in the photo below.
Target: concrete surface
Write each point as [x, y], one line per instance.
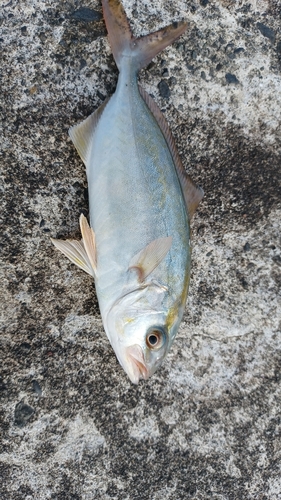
[208, 424]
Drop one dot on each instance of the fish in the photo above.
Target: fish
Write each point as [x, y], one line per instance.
[141, 200]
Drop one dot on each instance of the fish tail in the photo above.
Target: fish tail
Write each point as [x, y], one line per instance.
[124, 44]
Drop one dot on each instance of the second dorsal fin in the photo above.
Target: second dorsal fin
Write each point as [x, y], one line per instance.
[192, 193]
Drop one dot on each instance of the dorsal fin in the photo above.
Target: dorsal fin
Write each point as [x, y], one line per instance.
[82, 133]
[192, 193]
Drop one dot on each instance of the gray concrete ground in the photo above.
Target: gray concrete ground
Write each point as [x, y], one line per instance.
[208, 424]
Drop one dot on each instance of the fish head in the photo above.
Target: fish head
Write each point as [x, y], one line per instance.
[140, 331]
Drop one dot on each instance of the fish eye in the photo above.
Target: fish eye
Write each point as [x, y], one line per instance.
[155, 338]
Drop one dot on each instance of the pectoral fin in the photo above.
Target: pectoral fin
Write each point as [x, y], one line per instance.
[82, 253]
[150, 257]
[75, 251]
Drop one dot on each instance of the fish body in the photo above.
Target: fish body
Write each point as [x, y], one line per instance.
[141, 201]
[135, 198]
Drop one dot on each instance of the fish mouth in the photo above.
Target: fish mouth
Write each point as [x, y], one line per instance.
[137, 368]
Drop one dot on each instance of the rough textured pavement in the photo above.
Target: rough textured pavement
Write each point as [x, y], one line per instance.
[207, 425]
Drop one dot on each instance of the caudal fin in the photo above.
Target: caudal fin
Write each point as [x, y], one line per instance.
[124, 44]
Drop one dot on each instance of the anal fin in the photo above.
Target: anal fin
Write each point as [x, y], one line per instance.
[82, 133]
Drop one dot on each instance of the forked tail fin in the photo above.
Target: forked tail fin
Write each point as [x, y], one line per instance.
[124, 44]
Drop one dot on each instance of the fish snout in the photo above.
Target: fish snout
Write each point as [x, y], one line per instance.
[137, 367]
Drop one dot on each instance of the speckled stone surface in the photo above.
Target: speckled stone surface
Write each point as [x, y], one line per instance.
[207, 425]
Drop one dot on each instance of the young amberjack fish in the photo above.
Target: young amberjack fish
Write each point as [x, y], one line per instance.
[137, 247]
